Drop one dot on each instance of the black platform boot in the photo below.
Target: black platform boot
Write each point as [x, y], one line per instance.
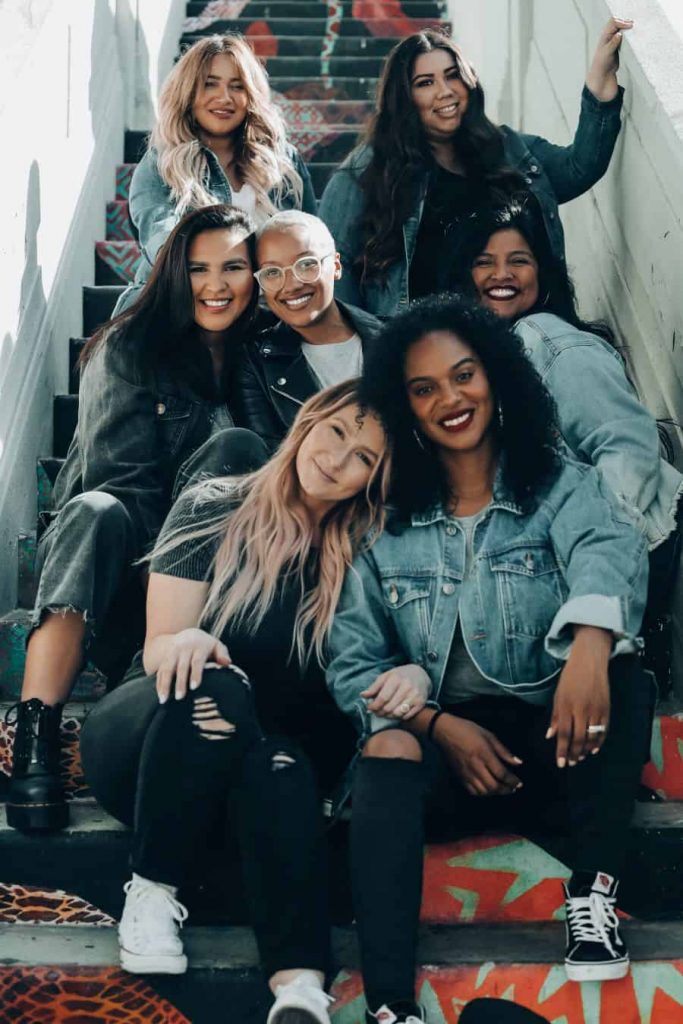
[35, 802]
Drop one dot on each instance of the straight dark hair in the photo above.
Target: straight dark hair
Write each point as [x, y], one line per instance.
[526, 434]
[556, 292]
[401, 154]
[158, 330]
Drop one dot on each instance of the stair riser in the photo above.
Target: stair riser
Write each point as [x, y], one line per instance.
[392, 28]
[303, 9]
[333, 88]
[308, 46]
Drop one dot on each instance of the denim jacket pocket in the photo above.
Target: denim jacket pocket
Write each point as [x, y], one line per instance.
[173, 418]
[408, 599]
[531, 588]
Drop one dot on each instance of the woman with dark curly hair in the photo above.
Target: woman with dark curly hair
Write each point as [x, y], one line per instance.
[506, 261]
[485, 643]
[431, 155]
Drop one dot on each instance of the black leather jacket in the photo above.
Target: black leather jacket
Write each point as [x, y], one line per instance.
[275, 379]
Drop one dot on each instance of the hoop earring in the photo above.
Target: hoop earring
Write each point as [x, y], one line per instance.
[501, 418]
[416, 435]
[547, 296]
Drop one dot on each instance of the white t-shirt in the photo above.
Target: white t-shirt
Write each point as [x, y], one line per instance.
[244, 198]
[332, 364]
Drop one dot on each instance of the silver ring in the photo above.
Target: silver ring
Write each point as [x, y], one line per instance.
[403, 708]
[593, 730]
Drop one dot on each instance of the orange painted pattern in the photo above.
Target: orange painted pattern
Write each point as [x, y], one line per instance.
[651, 994]
[664, 773]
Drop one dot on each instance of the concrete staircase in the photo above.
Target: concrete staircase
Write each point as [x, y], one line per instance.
[491, 904]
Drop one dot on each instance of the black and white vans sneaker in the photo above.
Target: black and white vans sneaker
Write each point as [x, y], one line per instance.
[595, 950]
[397, 1013]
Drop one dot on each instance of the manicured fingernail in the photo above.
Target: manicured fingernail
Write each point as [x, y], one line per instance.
[595, 750]
[179, 696]
[572, 764]
[549, 733]
[582, 758]
[518, 786]
[163, 697]
[518, 760]
[194, 683]
[561, 762]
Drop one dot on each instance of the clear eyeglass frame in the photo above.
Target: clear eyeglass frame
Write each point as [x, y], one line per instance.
[309, 276]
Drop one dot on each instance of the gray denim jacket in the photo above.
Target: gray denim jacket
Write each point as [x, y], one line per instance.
[602, 422]
[555, 174]
[153, 210]
[132, 436]
[574, 558]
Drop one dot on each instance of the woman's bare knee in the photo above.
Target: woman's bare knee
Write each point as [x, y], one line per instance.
[393, 743]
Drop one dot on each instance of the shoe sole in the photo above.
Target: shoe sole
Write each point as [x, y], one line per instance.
[137, 963]
[597, 972]
[37, 817]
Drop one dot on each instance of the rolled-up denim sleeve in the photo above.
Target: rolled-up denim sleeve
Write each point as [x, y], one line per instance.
[151, 206]
[574, 169]
[604, 560]
[363, 642]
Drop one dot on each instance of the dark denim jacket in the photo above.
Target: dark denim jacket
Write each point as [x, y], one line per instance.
[153, 210]
[132, 437]
[275, 379]
[555, 174]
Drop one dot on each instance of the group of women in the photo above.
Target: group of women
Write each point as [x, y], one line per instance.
[428, 521]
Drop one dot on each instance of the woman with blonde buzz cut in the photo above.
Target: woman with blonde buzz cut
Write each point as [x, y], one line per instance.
[219, 138]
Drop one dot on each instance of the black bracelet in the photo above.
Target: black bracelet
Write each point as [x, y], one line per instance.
[432, 723]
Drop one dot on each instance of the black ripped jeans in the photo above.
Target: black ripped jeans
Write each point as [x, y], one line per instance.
[170, 769]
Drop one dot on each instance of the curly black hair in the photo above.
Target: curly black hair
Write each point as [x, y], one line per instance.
[527, 438]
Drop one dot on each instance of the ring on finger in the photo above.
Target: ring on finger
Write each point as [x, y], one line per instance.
[403, 708]
[595, 730]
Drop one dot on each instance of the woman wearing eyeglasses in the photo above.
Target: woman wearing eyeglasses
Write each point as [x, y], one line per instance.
[318, 342]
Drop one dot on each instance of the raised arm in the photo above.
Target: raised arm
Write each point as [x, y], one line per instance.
[574, 169]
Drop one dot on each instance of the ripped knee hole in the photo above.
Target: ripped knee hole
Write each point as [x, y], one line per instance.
[209, 720]
[281, 760]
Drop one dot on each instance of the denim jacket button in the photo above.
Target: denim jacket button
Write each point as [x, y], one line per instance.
[393, 594]
[432, 656]
[267, 351]
[451, 530]
[280, 381]
[161, 409]
[529, 180]
[534, 168]
[448, 588]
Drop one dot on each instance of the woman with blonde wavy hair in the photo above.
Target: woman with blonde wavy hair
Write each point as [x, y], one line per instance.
[244, 583]
[219, 138]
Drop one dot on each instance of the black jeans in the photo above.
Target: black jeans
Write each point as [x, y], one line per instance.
[171, 770]
[85, 557]
[498, 1011]
[592, 803]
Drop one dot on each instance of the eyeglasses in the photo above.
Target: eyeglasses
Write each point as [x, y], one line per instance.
[306, 269]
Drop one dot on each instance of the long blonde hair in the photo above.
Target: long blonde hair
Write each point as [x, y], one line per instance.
[261, 157]
[268, 535]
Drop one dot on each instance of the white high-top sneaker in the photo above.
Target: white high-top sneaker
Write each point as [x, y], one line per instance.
[301, 1001]
[148, 932]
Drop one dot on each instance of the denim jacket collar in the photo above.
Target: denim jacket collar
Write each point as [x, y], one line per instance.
[502, 499]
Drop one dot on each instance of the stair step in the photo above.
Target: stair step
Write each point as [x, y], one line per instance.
[26, 560]
[14, 631]
[64, 421]
[266, 10]
[522, 963]
[119, 225]
[312, 67]
[46, 472]
[301, 113]
[75, 349]
[98, 303]
[116, 262]
[134, 146]
[309, 46]
[373, 27]
[124, 172]
[487, 878]
[332, 88]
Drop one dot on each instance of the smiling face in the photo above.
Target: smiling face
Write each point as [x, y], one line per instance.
[338, 455]
[506, 275]
[221, 100]
[440, 95]
[221, 278]
[297, 304]
[449, 392]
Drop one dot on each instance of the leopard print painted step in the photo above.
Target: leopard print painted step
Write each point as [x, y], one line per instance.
[66, 995]
[28, 904]
[72, 773]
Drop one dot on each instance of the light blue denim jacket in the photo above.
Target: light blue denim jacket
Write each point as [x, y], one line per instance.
[153, 210]
[574, 558]
[555, 174]
[602, 422]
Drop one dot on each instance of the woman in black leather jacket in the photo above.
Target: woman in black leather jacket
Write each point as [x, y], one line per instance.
[154, 413]
[318, 341]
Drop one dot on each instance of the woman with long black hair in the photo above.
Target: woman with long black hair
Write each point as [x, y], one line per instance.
[156, 391]
[508, 589]
[431, 155]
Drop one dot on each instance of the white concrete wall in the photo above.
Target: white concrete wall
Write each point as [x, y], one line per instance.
[624, 239]
[73, 75]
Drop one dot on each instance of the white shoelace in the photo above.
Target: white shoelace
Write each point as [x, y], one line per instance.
[590, 917]
[178, 911]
